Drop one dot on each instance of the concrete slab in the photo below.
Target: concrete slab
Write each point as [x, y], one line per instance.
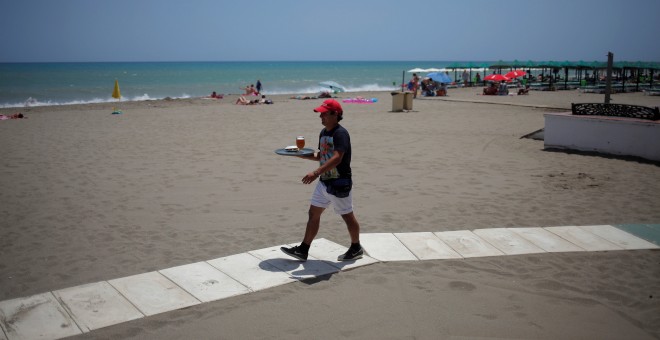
[96, 305]
[546, 240]
[251, 271]
[468, 244]
[311, 268]
[619, 237]
[36, 317]
[648, 232]
[427, 246]
[204, 281]
[507, 241]
[328, 252]
[386, 247]
[153, 293]
[583, 238]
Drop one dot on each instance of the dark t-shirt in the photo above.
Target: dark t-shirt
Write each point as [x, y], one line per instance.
[329, 141]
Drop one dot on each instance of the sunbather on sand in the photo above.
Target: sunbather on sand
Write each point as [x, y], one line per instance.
[14, 116]
[490, 90]
[215, 95]
[324, 94]
[243, 101]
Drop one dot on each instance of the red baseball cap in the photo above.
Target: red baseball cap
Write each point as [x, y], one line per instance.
[330, 105]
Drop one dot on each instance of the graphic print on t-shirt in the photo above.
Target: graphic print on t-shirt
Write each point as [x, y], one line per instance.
[327, 148]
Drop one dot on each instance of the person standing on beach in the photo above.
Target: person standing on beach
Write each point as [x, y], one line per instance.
[415, 84]
[334, 185]
[258, 86]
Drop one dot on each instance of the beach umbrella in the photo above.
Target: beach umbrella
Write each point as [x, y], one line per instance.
[500, 65]
[433, 69]
[115, 93]
[333, 86]
[515, 74]
[439, 77]
[495, 77]
[516, 63]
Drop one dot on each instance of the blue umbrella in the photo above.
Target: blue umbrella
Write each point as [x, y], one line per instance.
[440, 77]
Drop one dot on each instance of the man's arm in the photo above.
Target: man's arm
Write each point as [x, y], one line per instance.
[327, 166]
[313, 157]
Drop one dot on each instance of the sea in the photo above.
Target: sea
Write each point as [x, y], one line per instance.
[41, 84]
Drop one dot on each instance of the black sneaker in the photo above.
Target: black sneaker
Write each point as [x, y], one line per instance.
[351, 255]
[295, 252]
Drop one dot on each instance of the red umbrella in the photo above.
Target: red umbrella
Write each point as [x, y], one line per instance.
[515, 74]
[495, 77]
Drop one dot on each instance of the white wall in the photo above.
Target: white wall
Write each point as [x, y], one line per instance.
[611, 135]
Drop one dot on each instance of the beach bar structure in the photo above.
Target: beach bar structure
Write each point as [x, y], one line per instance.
[584, 75]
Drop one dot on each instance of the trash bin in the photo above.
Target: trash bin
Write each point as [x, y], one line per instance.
[397, 101]
[407, 101]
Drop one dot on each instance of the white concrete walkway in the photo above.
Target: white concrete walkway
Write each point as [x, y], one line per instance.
[75, 310]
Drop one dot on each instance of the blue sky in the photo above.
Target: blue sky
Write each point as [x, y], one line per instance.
[256, 30]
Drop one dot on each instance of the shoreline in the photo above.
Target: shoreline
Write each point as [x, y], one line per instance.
[549, 100]
[557, 100]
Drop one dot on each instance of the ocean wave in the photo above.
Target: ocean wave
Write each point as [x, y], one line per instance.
[317, 89]
[33, 102]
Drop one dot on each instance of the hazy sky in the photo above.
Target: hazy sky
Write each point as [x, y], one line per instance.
[256, 30]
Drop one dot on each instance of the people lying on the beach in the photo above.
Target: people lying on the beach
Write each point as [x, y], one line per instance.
[243, 101]
[14, 116]
[524, 91]
[264, 100]
[300, 97]
[215, 95]
[491, 90]
[324, 94]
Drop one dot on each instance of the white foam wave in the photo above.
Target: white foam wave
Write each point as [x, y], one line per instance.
[33, 102]
[317, 89]
[370, 88]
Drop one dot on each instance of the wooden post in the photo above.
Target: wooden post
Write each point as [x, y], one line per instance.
[608, 79]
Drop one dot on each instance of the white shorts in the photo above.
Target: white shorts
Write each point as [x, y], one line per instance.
[321, 199]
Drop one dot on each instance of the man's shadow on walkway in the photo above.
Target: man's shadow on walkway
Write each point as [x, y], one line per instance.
[309, 272]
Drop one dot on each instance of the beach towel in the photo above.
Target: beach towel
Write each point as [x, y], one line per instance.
[360, 100]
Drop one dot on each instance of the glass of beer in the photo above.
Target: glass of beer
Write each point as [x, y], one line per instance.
[300, 142]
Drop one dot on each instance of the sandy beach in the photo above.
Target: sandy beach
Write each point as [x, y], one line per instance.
[90, 196]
